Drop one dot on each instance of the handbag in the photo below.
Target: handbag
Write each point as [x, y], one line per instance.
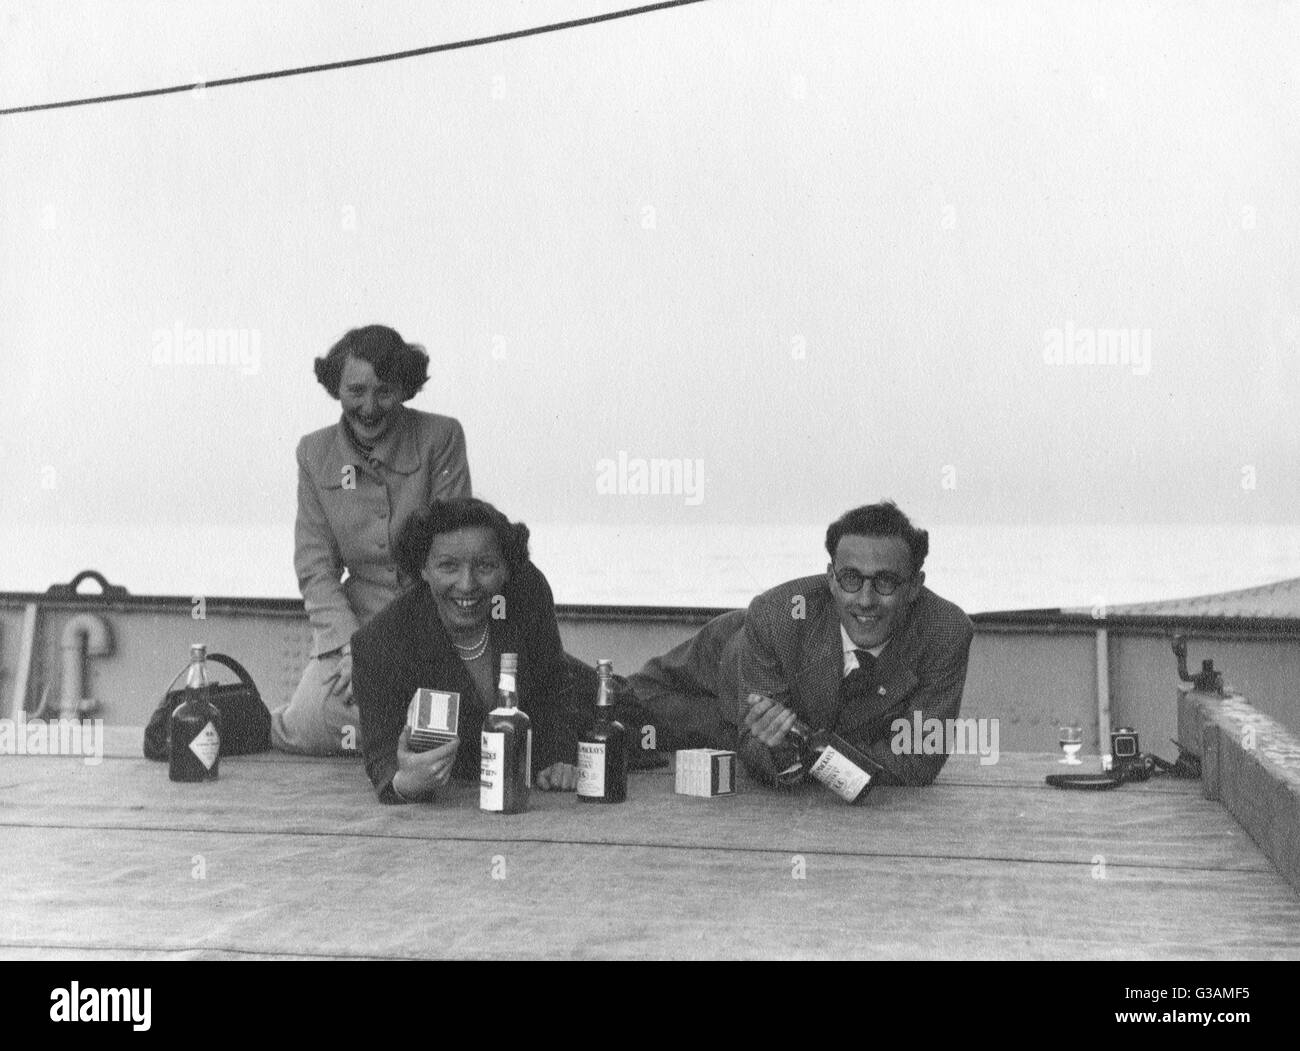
[245, 720]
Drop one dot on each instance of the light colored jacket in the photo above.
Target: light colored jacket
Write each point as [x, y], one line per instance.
[350, 511]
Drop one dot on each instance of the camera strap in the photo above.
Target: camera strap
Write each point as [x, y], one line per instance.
[1088, 782]
[1141, 768]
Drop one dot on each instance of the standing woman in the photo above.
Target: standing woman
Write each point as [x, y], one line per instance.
[358, 483]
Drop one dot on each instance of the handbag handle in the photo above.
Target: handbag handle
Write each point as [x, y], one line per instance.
[228, 662]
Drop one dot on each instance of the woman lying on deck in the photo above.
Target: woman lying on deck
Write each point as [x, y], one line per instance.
[479, 597]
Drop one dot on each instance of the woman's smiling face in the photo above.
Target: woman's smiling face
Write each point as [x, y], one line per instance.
[369, 403]
[464, 570]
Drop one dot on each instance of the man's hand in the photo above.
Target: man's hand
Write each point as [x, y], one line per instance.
[420, 773]
[339, 681]
[558, 777]
[768, 721]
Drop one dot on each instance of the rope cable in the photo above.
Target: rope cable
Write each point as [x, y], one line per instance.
[323, 67]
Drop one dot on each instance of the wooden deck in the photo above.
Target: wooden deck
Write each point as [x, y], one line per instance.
[298, 859]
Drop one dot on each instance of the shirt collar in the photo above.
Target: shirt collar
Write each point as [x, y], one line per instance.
[396, 449]
[850, 654]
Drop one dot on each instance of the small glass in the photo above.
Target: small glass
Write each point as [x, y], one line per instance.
[1071, 739]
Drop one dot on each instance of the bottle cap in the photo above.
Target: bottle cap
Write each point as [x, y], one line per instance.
[509, 664]
[198, 651]
[605, 667]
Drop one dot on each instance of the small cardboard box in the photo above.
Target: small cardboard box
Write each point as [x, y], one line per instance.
[706, 772]
[434, 717]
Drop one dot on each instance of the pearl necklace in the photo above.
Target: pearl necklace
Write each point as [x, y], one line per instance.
[475, 650]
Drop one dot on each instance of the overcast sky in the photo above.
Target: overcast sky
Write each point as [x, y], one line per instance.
[828, 250]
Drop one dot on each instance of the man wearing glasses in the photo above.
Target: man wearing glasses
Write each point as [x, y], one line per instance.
[853, 650]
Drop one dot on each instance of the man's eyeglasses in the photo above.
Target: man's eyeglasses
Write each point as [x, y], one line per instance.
[851, 580]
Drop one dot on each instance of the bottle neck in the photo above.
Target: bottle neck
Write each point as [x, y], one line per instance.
[801, 730]
[605, 693]
[197, 677]
[506, 696]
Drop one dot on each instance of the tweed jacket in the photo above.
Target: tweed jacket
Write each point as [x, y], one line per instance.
[351, 509]
[405, 647]
[789, 648]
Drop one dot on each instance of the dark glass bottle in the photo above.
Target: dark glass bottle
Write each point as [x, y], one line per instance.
[506, 748]
[194, 732]
[827, 757]
[602, 750]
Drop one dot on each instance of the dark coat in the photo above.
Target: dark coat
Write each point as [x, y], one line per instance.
[405, 647]
[799, 661]
[699, 688]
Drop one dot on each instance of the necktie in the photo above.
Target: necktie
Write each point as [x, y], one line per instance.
[861, 681]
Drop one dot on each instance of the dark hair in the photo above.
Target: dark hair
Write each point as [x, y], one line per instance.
[393, 359]
[446, 516]
[882, 519]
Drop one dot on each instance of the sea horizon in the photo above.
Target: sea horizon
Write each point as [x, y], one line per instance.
[982, 567]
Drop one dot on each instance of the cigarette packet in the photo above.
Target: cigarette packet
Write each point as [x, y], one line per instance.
[705, 772]
[433, 716]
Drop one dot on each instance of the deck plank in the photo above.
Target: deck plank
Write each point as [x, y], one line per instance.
[301, 861]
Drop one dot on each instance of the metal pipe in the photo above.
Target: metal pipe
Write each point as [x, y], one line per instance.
[85, 635]
[26, 650]
[1103, 695]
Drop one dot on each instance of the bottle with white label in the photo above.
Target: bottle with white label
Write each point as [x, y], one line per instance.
[831, 760]
[602, 750]
[195, 728]
[506, 748]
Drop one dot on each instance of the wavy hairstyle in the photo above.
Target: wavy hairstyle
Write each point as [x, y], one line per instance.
[446, 516]
[406, 365]
[882, 519]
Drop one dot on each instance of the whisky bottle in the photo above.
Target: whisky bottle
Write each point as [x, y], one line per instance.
[194, 731]
[506, 748]
[602, 750]
[828, 758]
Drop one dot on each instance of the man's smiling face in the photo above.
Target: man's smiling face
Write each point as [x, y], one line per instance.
[869, 617]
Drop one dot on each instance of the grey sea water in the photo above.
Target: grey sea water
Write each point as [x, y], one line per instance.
[979, 566]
